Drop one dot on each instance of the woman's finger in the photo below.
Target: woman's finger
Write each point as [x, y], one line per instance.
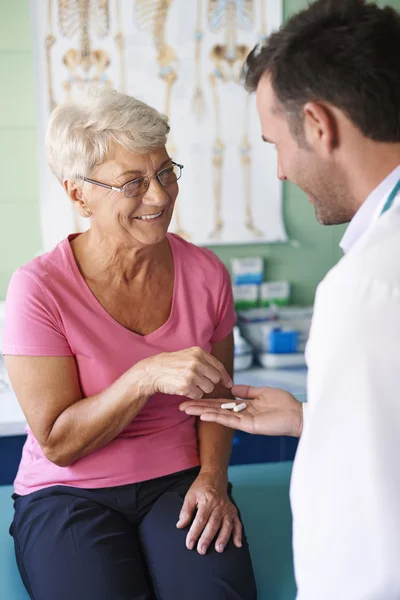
[237, 531]
[194, 392]
[204, 384]
[200, 521]
[210, 531]
[187, 510]
[224, 375]
[210, 372]
[224, 534]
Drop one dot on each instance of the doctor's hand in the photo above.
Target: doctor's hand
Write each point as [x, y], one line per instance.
[269, 411]
[215, 514]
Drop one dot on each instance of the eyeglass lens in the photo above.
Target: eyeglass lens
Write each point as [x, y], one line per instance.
[140, 186]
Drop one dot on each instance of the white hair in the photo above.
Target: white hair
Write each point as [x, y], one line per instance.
[79, 135]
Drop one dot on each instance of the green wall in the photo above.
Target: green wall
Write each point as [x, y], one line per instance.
[304, 266]
[19, 181]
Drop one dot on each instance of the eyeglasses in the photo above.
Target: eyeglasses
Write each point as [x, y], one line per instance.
[139, 186]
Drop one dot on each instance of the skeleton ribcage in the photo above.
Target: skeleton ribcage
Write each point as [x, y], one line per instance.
[151, 16]
[75, 15]
[230, 14]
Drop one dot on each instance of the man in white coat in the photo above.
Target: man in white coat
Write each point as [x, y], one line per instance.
[328, 97]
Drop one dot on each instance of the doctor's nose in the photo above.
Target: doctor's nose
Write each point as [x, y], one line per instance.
[281, 175]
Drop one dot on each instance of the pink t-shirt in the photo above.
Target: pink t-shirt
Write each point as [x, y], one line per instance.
[50, 311]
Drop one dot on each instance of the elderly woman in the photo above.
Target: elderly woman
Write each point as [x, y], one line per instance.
[119, 495]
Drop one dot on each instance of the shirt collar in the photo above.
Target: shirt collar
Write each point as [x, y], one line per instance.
[369, 211]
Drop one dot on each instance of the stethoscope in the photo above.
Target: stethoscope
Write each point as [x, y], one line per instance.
[391, 198]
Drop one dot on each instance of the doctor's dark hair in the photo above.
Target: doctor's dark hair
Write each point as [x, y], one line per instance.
[344, 52]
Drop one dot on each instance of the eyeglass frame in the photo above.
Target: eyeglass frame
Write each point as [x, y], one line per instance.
[145, 177]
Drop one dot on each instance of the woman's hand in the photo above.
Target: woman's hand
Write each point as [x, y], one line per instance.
[215, 513]
[269, 411]
[191, 373]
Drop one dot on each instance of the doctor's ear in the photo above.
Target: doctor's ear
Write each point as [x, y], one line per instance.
[321, 127]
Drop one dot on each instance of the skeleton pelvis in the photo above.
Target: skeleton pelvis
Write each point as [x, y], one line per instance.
[228, 60]
[96, 59]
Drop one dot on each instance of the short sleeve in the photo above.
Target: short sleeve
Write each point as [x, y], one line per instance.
[31, 325]
[226, 315]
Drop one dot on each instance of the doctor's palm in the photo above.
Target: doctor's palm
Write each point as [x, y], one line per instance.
[269, 411]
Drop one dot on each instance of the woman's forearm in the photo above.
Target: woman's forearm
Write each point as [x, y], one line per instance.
[92, 422]
[215, 446]
[215, 441]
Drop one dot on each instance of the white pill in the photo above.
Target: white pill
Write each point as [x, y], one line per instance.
[240, 407]
[228, 405]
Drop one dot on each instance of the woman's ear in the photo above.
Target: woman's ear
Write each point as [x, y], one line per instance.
[77, 197]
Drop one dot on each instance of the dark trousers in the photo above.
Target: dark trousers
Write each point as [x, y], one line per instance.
[121, 543]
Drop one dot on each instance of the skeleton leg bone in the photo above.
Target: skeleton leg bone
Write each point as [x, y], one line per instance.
[245, 151]
[167, 61]
[217, 161]
[50, 40]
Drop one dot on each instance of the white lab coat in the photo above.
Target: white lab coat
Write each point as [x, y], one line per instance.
[345, 490]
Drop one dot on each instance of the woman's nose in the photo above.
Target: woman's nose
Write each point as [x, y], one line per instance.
[155, 194]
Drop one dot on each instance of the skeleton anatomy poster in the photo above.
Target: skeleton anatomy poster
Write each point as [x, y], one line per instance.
[184, 57]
